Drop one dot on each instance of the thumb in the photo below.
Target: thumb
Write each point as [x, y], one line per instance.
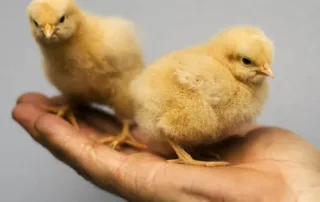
[90, 159]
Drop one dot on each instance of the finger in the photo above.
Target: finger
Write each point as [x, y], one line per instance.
[26, 115]
[40, 99]
[93, 117]
[96, 162]
[64, 142]
[272, 143]
[91, 120]
[33, 98]
[93, 160]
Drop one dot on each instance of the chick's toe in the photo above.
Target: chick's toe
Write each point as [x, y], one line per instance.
[185, 158]
[63, 111]
[124, 137]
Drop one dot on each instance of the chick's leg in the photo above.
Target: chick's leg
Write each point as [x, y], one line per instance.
[63, 111]
[124, 137]
[185, 158]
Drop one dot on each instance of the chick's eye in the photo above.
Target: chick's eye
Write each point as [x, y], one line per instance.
[35, 22]
[62, 19]
[246, 61]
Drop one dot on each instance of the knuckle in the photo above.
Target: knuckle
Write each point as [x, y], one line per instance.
[41, 120]
[22, 98]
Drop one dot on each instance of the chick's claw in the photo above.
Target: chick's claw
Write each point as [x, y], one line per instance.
[199, 163]
[123, 138]
[185, 158]
[63, 111]
[116, 141]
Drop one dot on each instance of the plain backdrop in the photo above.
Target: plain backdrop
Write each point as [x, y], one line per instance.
[28, 173]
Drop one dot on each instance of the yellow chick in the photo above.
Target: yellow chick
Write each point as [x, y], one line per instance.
[89, 59]
[197, 95]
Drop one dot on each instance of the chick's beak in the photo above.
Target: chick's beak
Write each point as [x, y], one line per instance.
[48, 30]
[266, 71]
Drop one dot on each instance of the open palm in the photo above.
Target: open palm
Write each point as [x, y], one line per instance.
[267, 164]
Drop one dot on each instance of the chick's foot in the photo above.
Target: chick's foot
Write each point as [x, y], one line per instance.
[124, 137]
[63, 111]
[185, 158]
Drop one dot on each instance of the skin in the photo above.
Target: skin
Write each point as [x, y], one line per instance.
[268, 163]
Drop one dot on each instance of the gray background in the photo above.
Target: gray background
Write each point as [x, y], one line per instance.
[30, 173]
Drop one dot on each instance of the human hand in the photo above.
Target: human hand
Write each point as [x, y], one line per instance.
[268, 164]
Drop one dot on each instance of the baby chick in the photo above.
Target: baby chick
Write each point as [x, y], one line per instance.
[197, 95]
[89, 59]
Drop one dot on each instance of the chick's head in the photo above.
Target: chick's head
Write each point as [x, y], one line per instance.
[52, 21]
[246, 51]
